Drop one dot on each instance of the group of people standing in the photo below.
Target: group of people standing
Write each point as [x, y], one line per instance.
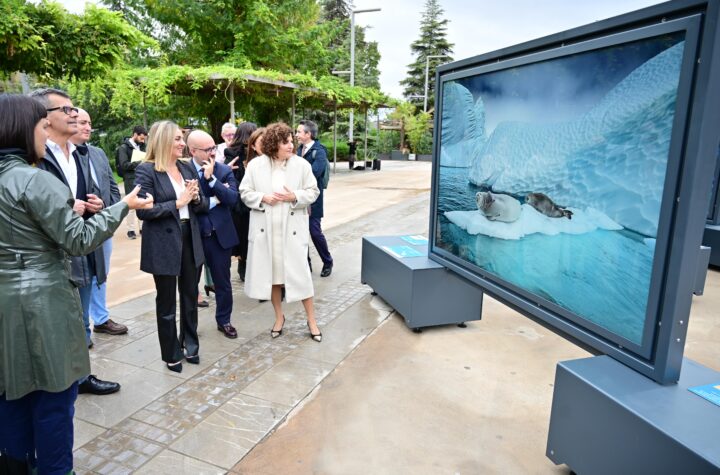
[262, 205]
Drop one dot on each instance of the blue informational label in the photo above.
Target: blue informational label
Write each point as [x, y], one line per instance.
[417, 239]
[403, 251]
[711, 392]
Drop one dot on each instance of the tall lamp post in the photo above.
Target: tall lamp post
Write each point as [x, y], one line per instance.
[352, 60]
[427, 68]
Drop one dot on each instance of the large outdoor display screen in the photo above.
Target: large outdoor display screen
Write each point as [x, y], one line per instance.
[556, 173]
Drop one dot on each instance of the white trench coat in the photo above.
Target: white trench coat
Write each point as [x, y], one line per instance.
[256, 183]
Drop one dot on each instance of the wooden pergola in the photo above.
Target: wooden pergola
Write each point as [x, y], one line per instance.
[260, 84]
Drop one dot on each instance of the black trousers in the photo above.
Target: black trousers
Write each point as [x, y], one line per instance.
[171, 347]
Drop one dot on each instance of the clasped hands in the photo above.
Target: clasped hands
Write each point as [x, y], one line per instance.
[92, 205]
[279, 196]
[191, 193]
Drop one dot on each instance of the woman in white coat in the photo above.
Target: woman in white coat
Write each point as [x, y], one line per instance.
[279, 188]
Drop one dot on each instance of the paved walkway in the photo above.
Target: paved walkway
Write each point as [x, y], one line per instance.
[372, 398]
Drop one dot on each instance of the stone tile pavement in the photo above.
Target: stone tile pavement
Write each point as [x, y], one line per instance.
[207, 418]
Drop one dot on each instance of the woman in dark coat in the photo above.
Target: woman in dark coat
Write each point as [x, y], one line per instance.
[236, 155]
[43, 352]
[171, 248]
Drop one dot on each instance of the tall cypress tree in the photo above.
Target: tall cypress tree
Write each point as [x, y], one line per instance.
[432, 42]
[336, 9]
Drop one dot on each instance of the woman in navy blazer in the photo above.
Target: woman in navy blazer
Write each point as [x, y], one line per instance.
[171, 247]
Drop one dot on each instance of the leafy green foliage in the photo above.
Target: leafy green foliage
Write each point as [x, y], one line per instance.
[45, 39]
[432, 42]
[415, 125]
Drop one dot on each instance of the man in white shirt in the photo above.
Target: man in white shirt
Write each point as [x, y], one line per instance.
[68, 166]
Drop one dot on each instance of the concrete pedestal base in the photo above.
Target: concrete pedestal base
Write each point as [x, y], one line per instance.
[607, 418]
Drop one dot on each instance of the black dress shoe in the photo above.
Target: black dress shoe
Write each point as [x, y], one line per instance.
[176, 367]
[131, 235]
[92, 385]
[203, 304]
[315, 337]
[228, 330]
[193, 359]
[326, 270]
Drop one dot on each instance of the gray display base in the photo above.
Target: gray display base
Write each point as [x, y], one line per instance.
[607, 418]
[422, 291]
[711, 238]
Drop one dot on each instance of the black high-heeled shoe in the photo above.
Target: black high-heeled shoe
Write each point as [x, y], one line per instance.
[276, 333]
[317, 337]
[176, 367]
[208, 289]
[193, 359]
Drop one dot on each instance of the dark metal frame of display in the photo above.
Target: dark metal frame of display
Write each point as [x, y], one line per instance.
[690, 165]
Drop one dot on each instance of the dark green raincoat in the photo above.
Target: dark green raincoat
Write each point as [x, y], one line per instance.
[42, 336]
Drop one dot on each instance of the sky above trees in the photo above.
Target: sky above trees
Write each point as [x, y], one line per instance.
[475, 26]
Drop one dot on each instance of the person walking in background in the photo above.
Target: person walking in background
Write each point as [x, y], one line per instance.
[171, 248]
[312, 151]
[216, 225]
[227, 133]
[237, 156]
[44, 352]
[278, 187]
[109, 194]
[126, 167]
[73, 170]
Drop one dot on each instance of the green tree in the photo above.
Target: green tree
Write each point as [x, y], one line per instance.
[336, 9]
[432, 42]
[46, 40]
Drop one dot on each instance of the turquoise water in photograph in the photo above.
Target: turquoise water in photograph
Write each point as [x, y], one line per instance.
[602, 276]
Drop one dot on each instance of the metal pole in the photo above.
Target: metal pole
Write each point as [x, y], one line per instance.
[232, 102]
[335, 137]
[427, 67]
[292, 121]
[352, 72]
[365, 136]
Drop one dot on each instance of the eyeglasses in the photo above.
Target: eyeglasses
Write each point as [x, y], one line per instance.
[208, 150]
[66, 109]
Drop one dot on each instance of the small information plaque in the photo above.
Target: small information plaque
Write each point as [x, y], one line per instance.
[416, 240]
[403, 251]
[711, 392]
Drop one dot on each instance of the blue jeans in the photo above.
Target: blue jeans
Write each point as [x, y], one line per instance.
[38, 429]
[98, 304]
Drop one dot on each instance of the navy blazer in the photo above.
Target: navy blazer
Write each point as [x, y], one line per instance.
[219, 218]
[318, 165]
[161, 248]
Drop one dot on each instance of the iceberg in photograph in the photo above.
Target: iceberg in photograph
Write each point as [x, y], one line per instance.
[591, 132]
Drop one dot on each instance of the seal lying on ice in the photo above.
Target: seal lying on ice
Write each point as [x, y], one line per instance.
[498, 207]
[546, 206]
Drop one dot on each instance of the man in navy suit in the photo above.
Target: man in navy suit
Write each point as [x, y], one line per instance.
[218, 183]
[312, 151]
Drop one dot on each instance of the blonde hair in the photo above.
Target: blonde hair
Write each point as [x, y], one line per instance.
[161, 140]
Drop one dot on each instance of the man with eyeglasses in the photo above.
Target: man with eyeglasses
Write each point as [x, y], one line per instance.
[126, 168]
[228, 133]
[62, 160]
[218, 183]
[102, 174]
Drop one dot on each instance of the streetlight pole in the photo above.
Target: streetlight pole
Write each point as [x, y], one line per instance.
[352, 61]
[427, 68]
